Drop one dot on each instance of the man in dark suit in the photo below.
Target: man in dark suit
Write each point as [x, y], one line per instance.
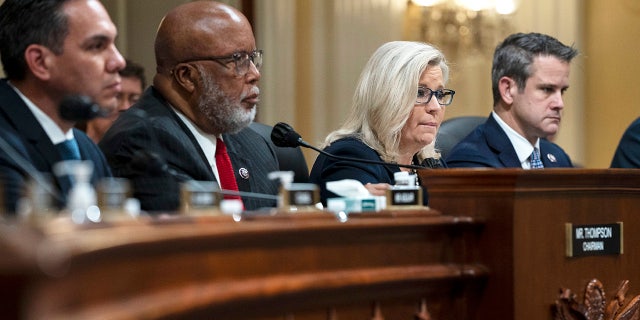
[204, 96]
[530, 74]
[628, 152]
[51, 49]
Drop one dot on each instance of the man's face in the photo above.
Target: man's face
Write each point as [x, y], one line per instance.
[537, 110]
[90, 61]
[228, 108]
[223, 92]
[228, 100]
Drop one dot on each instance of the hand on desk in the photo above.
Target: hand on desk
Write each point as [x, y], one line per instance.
[377, 189]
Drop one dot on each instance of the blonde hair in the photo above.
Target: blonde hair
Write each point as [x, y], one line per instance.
[385, 96]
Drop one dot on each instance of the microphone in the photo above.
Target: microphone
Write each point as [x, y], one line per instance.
[283, 135]
[80, 108]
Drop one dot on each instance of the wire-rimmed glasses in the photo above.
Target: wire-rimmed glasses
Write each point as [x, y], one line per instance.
[241, 59]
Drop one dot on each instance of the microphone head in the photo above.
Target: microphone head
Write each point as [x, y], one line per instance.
[283, 135]
[80, 108]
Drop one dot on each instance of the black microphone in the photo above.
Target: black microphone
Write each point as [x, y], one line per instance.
[80, 108]
[283, 135]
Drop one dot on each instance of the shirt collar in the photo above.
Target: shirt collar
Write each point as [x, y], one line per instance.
[520, 144]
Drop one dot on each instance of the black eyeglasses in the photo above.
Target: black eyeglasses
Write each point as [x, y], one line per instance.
[241, 59]
[443, 96]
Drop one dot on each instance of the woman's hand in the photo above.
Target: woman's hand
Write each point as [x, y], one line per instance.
[377, 189]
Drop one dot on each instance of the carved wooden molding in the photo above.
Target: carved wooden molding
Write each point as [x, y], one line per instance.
[595, 305]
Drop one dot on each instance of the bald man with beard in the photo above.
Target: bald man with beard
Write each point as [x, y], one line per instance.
[205, 89]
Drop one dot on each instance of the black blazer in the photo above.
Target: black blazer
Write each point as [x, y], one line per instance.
[627, 153]
[23, 134]
[153, 126]
[330, 169]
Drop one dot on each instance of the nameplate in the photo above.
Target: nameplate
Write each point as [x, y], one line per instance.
[404, 197]
[202, 199]
[594, 239]
[300, 195]
[198, 197]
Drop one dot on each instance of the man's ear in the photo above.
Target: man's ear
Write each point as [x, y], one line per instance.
[507, 89]
[39, 59]
[185, 76]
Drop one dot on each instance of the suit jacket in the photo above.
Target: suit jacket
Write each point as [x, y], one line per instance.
[628, 152]
[489, 146]
[153, 127]
[331, 169]
[32, 152]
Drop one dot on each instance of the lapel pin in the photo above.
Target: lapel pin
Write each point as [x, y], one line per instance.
[244, 173]
[551, 157]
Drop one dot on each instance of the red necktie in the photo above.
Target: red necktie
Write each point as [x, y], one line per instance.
[225, 170]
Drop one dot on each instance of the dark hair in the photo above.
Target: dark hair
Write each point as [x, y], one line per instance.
[132, 70]
[26, 22]
[514, 56]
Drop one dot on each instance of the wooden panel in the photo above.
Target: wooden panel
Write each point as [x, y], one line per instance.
[523, 243]
[259, 267]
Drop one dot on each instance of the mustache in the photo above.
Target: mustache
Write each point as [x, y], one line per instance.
[255, 90]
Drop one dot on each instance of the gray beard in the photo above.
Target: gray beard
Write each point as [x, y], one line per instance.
[221, 113]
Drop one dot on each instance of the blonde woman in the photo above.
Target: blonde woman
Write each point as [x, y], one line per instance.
[397, 109]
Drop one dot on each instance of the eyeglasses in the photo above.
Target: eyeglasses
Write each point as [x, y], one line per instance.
[443, 96]
[241, 59]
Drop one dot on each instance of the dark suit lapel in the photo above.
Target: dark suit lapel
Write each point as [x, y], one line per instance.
[549, 158]
[240, 164]
[47, 156]
[252, 159]
[42, 152]
[499, 143]
[164, 119]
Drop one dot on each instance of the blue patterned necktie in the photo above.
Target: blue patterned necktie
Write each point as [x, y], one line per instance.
[536, 163]
[69, 150]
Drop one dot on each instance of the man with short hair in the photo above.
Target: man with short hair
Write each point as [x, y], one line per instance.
[530, 74]
[192, 123]
[50, 50]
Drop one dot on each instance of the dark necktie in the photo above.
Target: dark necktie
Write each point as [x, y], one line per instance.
[536, 163]
[225, 170]
[69, 150]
